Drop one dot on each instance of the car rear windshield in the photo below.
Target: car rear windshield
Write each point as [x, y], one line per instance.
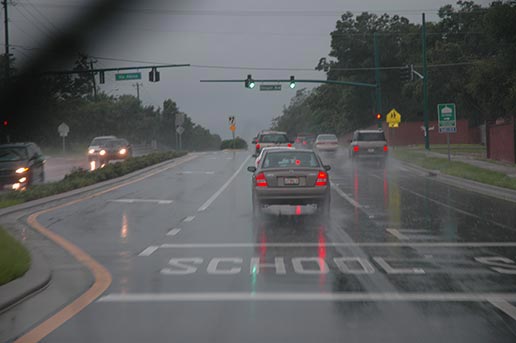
[9, 154]
[274, 138]
[371, 136]
[327, 138]
[290, 159]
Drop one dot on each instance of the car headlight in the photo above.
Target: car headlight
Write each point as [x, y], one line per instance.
[123, 151]
[91, 151]
[21, 170]
[102, 152]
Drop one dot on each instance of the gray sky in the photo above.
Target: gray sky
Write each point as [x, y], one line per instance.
[232, 33]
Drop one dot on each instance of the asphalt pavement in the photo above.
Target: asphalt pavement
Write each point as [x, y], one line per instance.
[402, 258]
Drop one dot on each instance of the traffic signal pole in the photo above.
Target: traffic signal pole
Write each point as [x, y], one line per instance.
[377, 76]
[425, 83]
[7, 55]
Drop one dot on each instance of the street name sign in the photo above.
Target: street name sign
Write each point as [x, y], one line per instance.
[447, 117]
[270, 87]
[128, 76]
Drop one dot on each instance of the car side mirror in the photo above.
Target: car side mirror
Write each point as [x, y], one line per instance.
[251, 169]
[327, 167]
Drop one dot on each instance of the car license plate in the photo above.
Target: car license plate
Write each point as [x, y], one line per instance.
[370, 150]
[291, 181]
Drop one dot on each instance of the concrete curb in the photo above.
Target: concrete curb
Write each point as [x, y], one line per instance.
[33, 281]
[470, 185]
[94, 187]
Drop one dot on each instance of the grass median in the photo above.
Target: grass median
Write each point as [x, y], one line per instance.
[14, 258]
[81, 178]
[455, 168]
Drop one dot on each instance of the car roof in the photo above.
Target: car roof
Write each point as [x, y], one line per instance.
[105, 137]
[15, 145]
[272, 132]
[296, 150]
[370, 131]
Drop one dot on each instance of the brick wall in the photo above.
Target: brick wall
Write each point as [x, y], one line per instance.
[500, 140]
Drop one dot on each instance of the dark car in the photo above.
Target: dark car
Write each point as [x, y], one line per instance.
[290, 177]
[21, 165]
[104, 149]
[304, 141]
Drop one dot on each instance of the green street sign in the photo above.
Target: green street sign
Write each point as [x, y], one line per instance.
[128, 76]
[447, 118]
[270, 87]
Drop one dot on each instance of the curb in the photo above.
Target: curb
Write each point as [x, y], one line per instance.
[470, 185]
[94, 187]
[33, 281]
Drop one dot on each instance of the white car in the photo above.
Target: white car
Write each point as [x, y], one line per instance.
[262, 153]
[327, 142]
[271, 139]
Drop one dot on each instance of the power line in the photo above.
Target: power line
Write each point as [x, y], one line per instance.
[33, 22]
[44, 16]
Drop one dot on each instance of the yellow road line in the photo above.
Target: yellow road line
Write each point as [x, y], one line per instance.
[100, 273]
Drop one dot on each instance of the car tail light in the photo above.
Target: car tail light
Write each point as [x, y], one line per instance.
[304, 142]
[257, 146]
[289, 145]
[356, 148]
[261, 181]
[385, 148]
[322, 179]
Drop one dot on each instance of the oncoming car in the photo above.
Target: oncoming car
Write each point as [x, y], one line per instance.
[290, 177]
[21, 165]
[104, 149]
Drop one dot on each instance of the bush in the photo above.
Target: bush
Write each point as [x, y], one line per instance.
[238, 143]
[79, 177]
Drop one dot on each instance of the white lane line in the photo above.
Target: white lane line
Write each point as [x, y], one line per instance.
[152, 201]
[397, 234]
[305, 296]
[173, 231]
[224, 186]
[351, 244]
[504, 306]
[149, 251]
[344, 195]
[188, 219]
[191, 172]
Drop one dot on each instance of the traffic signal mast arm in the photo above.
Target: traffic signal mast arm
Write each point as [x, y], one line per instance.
[89, 71]
[334, 82]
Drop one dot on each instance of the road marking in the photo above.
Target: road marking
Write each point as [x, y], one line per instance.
[350, 244]
[149, 251]
[190, 172]
[397, 234]
[173, 231]
[344, 195]
[310, 296]
[152, 201]
[102, 277]
[188, 219]
[224, 186]
[505, 307]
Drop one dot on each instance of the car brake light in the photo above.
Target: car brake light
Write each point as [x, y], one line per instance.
[322, 179]
[289, 145]
[257, 146]
[385, 148]
[356, 148]
[261, 181]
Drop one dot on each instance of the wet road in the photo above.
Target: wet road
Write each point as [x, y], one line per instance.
[402, 258]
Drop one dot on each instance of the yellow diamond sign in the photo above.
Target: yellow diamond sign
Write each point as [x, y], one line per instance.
[393, 117]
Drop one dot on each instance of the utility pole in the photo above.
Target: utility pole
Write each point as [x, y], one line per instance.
[137, 85]
[425, 84]
[7, 55]
[377, 75]
[93, 80]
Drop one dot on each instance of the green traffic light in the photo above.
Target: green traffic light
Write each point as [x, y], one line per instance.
[251, 84]
[292, 85]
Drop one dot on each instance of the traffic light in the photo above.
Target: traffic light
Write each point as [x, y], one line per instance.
[406, 73]
[249, 82]
[154, 75]
[378, 116]
[292, 82]
[6, 123]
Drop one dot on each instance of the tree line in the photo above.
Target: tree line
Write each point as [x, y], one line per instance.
[70, 98]
[471, 54]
